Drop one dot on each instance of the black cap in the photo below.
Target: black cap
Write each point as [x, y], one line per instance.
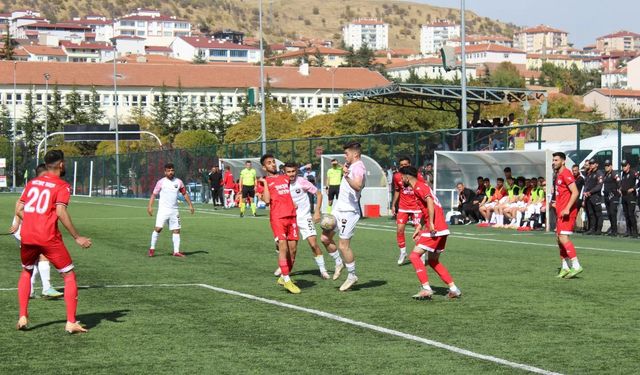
[607, 162]
[593, 161]
[625, 163]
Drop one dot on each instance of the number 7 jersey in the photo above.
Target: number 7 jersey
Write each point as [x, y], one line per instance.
[41, 196]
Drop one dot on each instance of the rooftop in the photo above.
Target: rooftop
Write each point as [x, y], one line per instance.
[540, 29]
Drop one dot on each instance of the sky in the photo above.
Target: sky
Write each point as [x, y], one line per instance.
[584, 20]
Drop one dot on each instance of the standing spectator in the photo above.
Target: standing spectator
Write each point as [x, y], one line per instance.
[628, 183]
[216, 183]
[466, 206]
[229, 187]
[428, 174]
[611, 191]
[579, 179]
[593, 198]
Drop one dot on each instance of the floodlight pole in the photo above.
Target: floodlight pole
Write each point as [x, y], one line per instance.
[463, 80]
[46, 115]
[263, 117]
[115, 119]
[15, 126]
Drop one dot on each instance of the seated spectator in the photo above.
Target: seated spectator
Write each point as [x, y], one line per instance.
[493, 196]
[466, 204]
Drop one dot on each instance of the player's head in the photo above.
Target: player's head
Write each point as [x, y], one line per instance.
[486, 182]
[429, 167]
[169, 171]
[291, 170]
[268, 163]
[507, 172]
[247, 164]
[41, 169]
[54, 160]
[460, 187]
[542, 181]
[480, 180]
[227, 168]
[607, 165]
[559, 159]
[626, 166]
[352, 151]
[575, 169]
[499, 182]
[404, 162]
[593, 165]
[409, 175]
[510, 180]
[521, 181]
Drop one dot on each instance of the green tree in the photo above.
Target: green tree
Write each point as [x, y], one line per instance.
[55, 111]
[74, 111]
[506, 75]
[177, 112]
[6, 125]
[280, 120]
[193, 117]
[199, 58]
[365, 57]
[194, 139]
[8, 49]
[95, 114]
[161, 112]
[30, 125]
[319, 58]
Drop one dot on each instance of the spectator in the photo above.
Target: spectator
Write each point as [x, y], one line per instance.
[466, 204]
[216, 183]
[229, 187]
[204, 187]
[579, 178]
[428, 174]
[593, 197]
[628, 185]
[611, 192]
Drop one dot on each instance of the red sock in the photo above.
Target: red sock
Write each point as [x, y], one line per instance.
[290, 262]
[441, 270]
[71, 296]
[24, 290]
[571, 250]
[421, 270]
[284, 266]
[563, 251]
[402, 242]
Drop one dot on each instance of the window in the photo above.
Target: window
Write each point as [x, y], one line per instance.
[106, 99]
[140, 33]
[218, 52]
[143, 100]
[229, 101]
[134, 100]
[319, 102]
[127, 23]
[87, 99]
[142, 24]
[39, 99]
[168, 33]
[601, 156]
[631, 153]
[18, 98]
[239, 54]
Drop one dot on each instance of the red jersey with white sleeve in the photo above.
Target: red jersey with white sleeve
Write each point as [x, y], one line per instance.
[422, 191]
[227, 180]
[563, 193]
[281, 201]
[41, 196]
[406, 201]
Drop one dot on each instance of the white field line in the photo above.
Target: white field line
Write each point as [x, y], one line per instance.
[344, 320]
[388, 228]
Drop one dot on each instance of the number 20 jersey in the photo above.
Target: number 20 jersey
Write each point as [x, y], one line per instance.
[41, 196]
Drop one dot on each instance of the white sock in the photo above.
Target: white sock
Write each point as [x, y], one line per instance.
[45, 274]
[565, 263]
[336, 256]
[34, 275]
[403, 250]
[454, 288]
[176, 243]
[286, 278]
[426, 286]
[518, 218]
[154, 239]
[320, 262]
[351, 267]
[575, 264]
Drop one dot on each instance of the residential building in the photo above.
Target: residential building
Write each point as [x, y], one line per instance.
[312, 90]
[607, 101]
[372, 32]
[614, 79]
[535, 61]
[622, 40]
[189, 47]
[44, 53]
[19, 18]
[539, 39]
[88, 51]
[633, 74]
[129, 45]
[101, 27]
[472, 40]
[492, 53]
[146, 23]
[434, 36]
[331, 57]
[232, 36]
[62, 31]
[158, 50]
[429, 68]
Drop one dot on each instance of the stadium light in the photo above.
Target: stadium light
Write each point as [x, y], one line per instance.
[15, 126]
[263, 117]
[115, 107]
[46, 115]
[463, 79]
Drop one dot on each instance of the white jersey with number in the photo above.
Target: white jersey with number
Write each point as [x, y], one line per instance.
[299, 190]
[348, 198]
[168, 191]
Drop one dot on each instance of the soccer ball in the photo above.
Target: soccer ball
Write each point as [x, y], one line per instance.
[328, 222]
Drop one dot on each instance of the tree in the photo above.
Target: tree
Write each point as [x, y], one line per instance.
[31, 128]
[319, 58]
[281, 122]
[199, 58]
[55, 111]
[194, 139]
[193, 119]
[8, 47]
[365, 56]
[507, 75]
[220, 121]
[74, 111]
[161, 112]
[95, 114]
[6, 125]
[177, 113]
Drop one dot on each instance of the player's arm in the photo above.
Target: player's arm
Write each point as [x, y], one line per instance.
[316, 212]
[572, 200]
[65, 219]
[431, 210]
[396, 195]
[19, 212]
[266, 194]
[187, 198]
[150, 205]
[356, 182]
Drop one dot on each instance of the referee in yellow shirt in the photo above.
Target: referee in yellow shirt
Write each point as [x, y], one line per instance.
[334, 178]
[247, 187]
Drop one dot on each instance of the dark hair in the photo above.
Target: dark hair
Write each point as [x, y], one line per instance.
[577, 166]
[459, 183]
[500, 179]
[429, 164]
[403, 158]
[227, 167]
[541, 178]
[332, 160]
[561, 155]
[264, 157]
[169, 166]
[480, 178]
[247, 161]
[352, 146]
[507, 169]
[486, 179]
[52, 157]
[291, 165]
[40, 168]
[410, 170]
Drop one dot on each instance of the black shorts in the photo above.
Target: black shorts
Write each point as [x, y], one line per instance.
[333, 191]
[248, 191]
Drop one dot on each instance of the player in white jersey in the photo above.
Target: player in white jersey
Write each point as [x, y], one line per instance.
[347, 210]
[168, 188]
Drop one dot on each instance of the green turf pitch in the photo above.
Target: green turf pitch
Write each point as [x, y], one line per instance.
[513, 308]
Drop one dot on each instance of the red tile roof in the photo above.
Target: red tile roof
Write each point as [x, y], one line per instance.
[401, 63]
[157, 49]
[205, 76]
[488, 48]
[85, 45]
[45, 25]
[619, 93]
[199, 42]
[311, 51]
[620, 34]
[551, 56]
[150, 59]
[540, 29]
[44, 50]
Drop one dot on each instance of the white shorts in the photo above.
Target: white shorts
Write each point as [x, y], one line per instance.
[172, 216]
[346, 225]
[490, 204]
[306, 227]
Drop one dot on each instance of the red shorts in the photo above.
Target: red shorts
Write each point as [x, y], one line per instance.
[403, 217]
[285, 229]
[56, 252]
[431, 244]
[565, 225]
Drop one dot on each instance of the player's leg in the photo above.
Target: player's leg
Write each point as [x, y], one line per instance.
[327, 240]
[401, 220]
[28, 257]
[346, 229]
[242, 197]
[421, 272]
[318, 257]
[433, 259]
[174, 227]
[571, 254]
[45, 276]
[253, 202]
[162, 217]
[34, 276]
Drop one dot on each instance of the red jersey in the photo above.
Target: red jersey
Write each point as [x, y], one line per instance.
[422, 191]
[498, 194]
[281, 201]
[563, 194]
[227, 180]
[41, 196]
[407, 201]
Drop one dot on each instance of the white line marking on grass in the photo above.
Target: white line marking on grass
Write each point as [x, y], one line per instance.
[470, 237]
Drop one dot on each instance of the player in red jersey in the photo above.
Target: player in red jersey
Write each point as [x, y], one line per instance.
[283, 218]
[229, 187]
[566, 213]
[407, 208]
[432, 238]
[43, 202]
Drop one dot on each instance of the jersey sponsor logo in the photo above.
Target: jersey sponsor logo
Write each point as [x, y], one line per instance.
[298, 191]
[344, 221]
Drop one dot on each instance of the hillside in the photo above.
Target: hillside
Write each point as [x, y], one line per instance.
[282, 19]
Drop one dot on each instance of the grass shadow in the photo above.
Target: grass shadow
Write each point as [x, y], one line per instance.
[369, 284]
[90, 320]
[304, 284]
[195, 252]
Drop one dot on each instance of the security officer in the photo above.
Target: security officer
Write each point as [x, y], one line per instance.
[593, 198]
[628, 183]
[579, 178]
[611, 191]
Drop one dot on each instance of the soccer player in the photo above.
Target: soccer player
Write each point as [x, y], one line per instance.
[168, 187]
[334, 177]
[347, 210]
[43, 267]
[566, 213]
[43, 202]
[229, 187]
[283, 220]
[431, 238]
[248, 188]
[407, 208]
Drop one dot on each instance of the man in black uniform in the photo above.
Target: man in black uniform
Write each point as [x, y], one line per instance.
[469, 210]
[579, 178]
[611, 191]
[593, 198]
[628, 183]
[217, 192]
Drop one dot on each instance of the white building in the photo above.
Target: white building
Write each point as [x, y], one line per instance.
[472, 40]
[633, 74]
[435, 35]
[372, 32]
[18, 18]
[145, 23]
[88, 51]
[614, 79]
[622, 40]
[607, 101]
[492, 53]
[44, 53]
[129, 45]
[539, 39]
[62, 31]
[430, 68]
[101, 27]
[312, 90]
[188, 47]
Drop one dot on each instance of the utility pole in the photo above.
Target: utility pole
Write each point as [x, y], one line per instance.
[46, 115]
[263, 117]
[463, 80]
